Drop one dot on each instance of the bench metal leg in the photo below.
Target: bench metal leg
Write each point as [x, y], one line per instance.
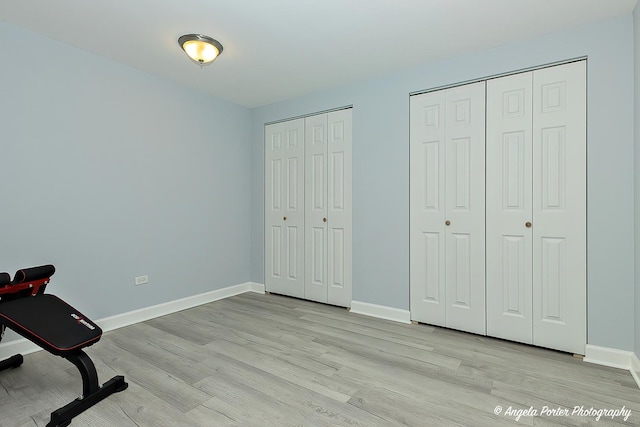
[92, 393]
[12, 362]
[87, 369]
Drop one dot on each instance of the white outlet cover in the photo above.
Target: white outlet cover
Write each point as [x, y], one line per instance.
[141, 280]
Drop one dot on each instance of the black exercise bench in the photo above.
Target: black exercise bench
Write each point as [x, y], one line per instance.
[57, 327]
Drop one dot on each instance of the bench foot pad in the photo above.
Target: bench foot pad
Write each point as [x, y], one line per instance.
[62, 417]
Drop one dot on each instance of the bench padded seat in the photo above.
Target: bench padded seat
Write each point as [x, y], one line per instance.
[50, 322]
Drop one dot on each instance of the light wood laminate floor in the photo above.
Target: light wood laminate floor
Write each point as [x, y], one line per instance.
[268, 360]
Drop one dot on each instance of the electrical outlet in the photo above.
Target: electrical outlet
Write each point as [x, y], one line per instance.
[141, 280]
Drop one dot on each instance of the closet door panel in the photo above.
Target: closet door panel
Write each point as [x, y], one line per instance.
[509, 207]
[339, 207]
[427, 207]
[316, 207]
[465, 207]
[559, 208]
[308, 208]
[284, 207]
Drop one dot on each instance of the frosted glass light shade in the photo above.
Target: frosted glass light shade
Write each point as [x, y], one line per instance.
[200, 49]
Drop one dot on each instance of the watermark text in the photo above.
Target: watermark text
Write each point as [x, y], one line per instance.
[560, 411]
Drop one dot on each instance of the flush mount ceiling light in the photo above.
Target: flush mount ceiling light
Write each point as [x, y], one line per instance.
[202, 50]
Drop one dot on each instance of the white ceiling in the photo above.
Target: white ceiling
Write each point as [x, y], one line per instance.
[281, 49]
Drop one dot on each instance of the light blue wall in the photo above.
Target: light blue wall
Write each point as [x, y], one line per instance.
[636, 128]
[381, 167]
[108, 173]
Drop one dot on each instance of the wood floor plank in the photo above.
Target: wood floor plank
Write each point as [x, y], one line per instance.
[391, 337]
[161, 383]
[163, 351]
[279, 367]
[420, 410]
[283, 402]
[326, 333]
[269, 360]
[287, 334]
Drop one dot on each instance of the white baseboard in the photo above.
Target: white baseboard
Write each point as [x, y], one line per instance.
[147, 313]
[635, 369]
[614, 358]
[607, 356]
[24, 346]
[18, 346]
[381, 311]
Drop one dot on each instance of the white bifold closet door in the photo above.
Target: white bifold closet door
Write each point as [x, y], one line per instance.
[536, 207]
[322, 215]
[510, 207]
[284, 208]
[316, 246]
[447, 212]
[328, 208]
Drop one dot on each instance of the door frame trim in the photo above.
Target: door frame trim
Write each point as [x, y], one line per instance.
[495, 76]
